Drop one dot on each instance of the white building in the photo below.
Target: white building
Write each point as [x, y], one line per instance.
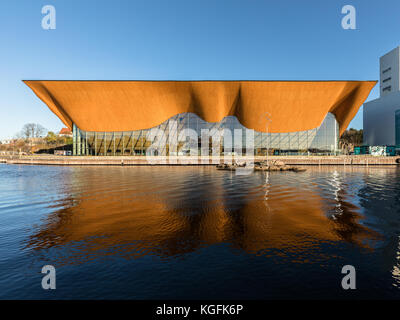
[6, 141]
[379, 114]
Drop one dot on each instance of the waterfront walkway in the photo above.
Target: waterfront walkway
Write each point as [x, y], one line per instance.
[163, 160]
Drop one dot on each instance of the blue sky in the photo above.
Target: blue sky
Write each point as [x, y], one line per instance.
[186, 40]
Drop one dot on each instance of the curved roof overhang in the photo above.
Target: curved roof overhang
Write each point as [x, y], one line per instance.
[133, 105]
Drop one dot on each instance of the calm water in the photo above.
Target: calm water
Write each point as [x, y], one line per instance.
[195, 232]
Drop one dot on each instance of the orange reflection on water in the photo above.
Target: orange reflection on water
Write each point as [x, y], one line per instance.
[170, 211]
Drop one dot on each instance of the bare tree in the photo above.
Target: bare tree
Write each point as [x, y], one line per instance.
[26, 131]
[33, 130]
[40, 131]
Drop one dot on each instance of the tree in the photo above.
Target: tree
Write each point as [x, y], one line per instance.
[51, 138]
[351, 138]
[33, 130]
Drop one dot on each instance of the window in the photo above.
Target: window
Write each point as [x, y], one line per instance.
[387, 79]
[388, 88]
[386, 70]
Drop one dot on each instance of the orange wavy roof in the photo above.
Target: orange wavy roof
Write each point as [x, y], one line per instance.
[134, 105]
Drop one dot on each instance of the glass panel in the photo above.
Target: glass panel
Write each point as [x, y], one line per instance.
[321, 139]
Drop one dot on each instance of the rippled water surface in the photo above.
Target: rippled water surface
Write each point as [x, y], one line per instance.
[195, 232]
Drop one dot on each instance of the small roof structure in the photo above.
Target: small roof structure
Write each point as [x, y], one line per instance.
[65, 131]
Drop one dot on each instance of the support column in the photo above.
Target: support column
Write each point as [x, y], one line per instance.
[336, 138]
[74, 139]
[79, 142]
[114, 143]
[105, 144]
[133, 146]
[142, 145]
[83, 144]
[123, 145]
[86, 145]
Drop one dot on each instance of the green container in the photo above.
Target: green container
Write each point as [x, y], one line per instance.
[364, 150]
[357, 150]
[390, 150]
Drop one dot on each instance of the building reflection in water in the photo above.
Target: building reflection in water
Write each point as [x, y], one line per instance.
[396, 268]
[171, 211]
[379, 196]
[344, 211]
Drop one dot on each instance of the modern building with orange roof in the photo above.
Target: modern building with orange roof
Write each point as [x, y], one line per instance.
[119, 117]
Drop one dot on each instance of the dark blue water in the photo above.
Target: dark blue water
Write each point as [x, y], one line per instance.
[195, 232]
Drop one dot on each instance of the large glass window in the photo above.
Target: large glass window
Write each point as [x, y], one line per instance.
[180, 133]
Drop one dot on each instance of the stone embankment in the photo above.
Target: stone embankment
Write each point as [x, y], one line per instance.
[163, 160]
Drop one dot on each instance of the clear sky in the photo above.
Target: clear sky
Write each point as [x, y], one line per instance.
[186, 40]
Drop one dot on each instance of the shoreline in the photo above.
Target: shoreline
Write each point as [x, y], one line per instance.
[358, 160]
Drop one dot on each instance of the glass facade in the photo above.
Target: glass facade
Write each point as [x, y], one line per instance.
[184, 132]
